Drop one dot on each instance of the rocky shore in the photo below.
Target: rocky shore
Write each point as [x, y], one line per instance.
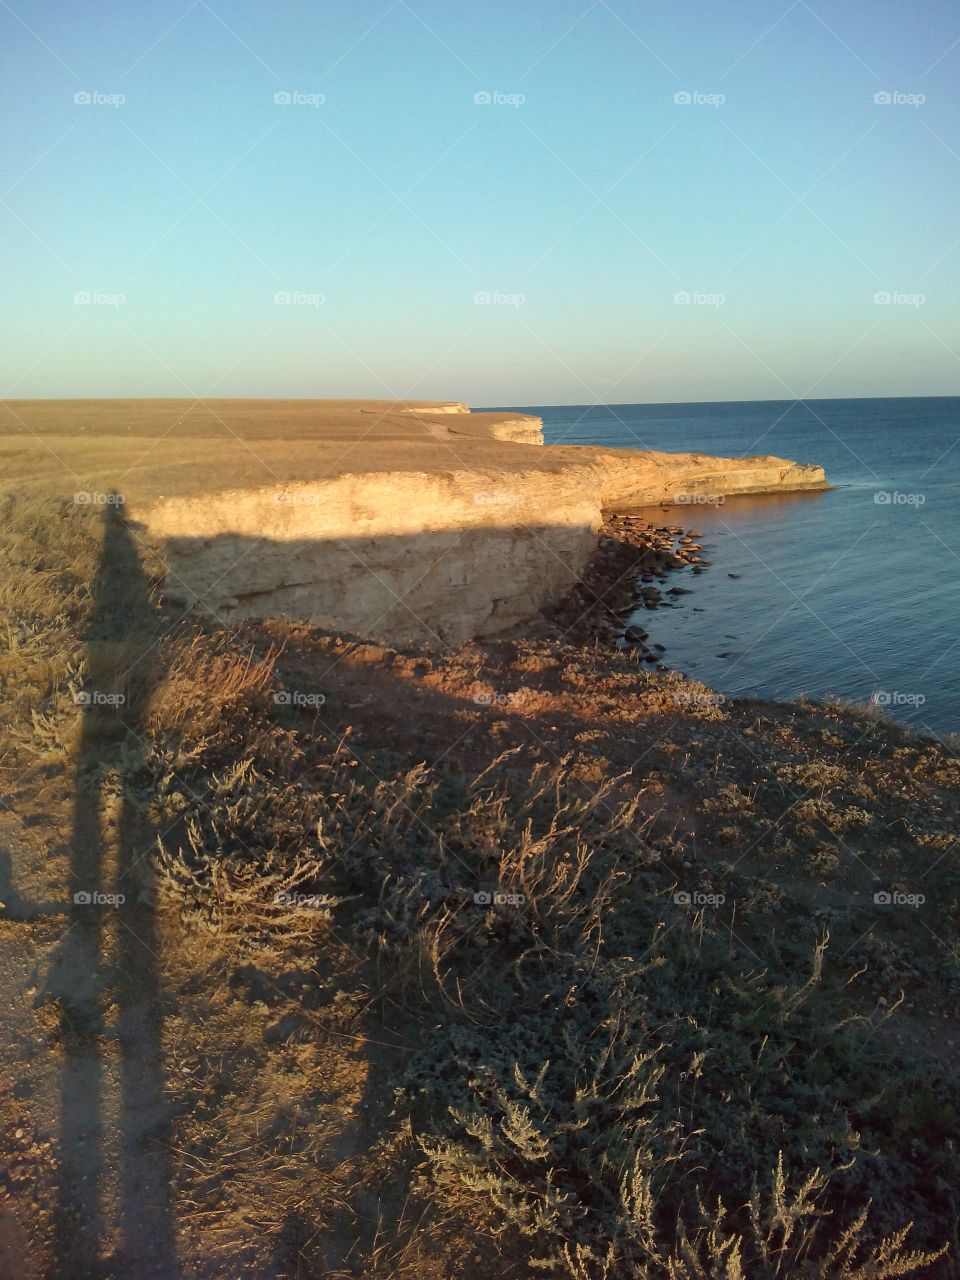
[633, 555]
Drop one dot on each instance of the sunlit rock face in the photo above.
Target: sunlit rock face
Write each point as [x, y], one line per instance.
[477, 542]
[399, 559]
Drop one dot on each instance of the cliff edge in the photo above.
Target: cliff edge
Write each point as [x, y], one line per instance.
[402, 522]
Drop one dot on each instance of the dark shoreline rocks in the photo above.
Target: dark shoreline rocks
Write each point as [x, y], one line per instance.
[633, 554]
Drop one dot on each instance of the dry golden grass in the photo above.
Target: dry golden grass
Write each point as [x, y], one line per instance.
[366, 1069]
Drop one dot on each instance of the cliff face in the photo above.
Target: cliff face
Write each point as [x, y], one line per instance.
[408, 558]
[399, 521]
[637, 479]
[434, 556]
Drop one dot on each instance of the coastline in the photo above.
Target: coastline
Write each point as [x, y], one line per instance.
[405, 902]
[406, 523]
[633, 553]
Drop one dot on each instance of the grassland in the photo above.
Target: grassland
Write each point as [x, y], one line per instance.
[518, 960]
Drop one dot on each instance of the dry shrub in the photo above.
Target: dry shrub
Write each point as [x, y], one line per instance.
[205, 684]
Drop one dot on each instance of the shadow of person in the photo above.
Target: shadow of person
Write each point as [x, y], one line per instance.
[114, 1213]
[12, 903]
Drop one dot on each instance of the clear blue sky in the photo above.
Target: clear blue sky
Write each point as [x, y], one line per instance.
[581, 199]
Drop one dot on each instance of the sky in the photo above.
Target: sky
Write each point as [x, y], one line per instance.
[519, 202]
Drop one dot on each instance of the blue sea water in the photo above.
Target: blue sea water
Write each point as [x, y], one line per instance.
[852, 592]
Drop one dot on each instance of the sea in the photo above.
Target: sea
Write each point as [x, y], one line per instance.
[852, 593]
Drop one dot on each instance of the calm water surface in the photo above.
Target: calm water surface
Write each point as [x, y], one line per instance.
[853, 592]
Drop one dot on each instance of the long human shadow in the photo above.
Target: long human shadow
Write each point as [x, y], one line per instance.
[107, 975]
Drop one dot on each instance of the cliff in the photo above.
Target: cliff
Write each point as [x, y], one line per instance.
[403, 523]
